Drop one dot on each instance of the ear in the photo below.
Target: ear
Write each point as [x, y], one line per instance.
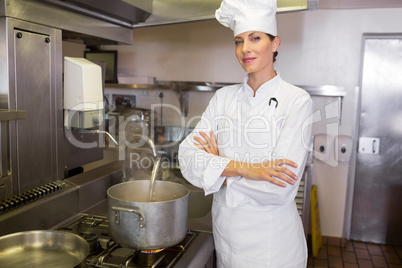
[276, 42]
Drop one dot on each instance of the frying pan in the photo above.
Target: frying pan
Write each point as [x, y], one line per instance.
[42, 249]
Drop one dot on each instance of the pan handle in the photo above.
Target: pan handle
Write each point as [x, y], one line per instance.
[117, 210]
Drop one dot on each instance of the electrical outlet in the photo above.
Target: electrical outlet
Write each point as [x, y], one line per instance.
[124, 100]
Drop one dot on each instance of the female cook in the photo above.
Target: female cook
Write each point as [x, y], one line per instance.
[250, 149]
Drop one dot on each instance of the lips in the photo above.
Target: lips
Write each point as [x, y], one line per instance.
[248, 60]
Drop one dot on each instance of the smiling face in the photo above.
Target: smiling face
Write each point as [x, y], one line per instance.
[254, 50]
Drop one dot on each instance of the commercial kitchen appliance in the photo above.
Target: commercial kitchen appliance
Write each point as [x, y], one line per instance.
[79, 205]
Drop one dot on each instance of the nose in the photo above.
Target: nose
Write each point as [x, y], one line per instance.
[245, 47]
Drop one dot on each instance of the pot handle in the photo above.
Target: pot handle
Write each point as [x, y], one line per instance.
[117, 215]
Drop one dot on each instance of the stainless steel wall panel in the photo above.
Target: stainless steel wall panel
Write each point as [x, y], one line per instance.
[4, 66]
[33, 83]
[377, 204]
[33, 92]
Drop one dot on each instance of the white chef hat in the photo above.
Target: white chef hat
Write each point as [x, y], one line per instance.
[248, 15]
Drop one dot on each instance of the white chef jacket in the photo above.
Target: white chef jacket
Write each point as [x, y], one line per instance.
[255, 223]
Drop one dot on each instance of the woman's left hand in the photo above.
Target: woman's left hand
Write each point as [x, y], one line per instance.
[208, 143]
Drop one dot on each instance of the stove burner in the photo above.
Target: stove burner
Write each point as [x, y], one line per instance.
[93, 242]
[149, 258]
[104, 252]
[152, 251]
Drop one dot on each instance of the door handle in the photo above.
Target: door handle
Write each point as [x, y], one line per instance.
[374, 146]
[369, 145]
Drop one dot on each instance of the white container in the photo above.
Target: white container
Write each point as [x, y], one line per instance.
[82, 85]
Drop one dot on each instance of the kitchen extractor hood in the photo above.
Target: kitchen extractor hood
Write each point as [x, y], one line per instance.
[176, 11]
[139, 13]
[112, 22]
[94, 21]
[117, 11]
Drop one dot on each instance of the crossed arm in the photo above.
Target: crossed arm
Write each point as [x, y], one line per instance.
[271, 171]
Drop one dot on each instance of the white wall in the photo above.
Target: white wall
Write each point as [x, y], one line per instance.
[321, 47]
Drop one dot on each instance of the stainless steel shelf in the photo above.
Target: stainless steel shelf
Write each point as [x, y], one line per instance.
[325, 91]
[182, 88]
[173, 85]
[134, 86]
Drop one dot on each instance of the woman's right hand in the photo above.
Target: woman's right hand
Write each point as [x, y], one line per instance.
[272, 171]
[207, 144]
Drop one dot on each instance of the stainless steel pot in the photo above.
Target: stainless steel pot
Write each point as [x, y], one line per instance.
[135, 222]
[42, 249]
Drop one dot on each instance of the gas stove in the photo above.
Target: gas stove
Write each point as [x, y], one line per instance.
[196, 249]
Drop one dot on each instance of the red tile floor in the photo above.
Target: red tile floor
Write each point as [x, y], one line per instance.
[336, 252]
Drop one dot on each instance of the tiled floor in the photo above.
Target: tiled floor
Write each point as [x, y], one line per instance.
[350, 254]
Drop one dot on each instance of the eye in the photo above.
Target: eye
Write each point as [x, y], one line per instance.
[238, 42]
[256, 38]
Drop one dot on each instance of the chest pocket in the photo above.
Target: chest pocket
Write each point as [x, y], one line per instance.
[249, 138]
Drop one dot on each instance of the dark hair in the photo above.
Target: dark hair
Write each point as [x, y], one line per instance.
[271, 37]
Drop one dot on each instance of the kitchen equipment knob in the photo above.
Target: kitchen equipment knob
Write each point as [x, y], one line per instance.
[10, 203]
[19, 35]
[26, 198]
[322, 149]
[33, 194]
[4, 207]
[47, 40]
[16, 201]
